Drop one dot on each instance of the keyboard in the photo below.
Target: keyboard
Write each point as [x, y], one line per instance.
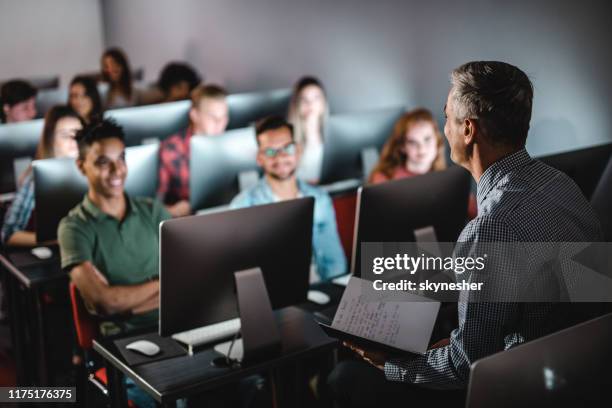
[208, 334]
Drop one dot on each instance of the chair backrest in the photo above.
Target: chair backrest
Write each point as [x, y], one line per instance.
[84, 323]
[602, 201]
[345, 206]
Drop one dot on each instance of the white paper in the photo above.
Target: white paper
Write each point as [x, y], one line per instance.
[401, 320]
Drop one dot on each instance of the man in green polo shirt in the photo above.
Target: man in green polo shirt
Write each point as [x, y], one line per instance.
[109, 242]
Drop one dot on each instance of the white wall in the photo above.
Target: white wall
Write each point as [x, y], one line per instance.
[389, 51]
[368, 53]
[46, 38]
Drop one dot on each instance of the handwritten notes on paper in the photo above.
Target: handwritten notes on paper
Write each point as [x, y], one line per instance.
[404, 321]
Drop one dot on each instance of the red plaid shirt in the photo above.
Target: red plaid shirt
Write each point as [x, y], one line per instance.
[174, 167]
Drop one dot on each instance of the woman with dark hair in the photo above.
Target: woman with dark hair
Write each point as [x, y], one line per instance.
[308, 112]
[57, 140]
[415, 147]
[84, 98]
[117, 73]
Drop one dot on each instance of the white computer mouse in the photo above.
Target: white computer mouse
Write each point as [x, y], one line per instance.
[42, 252]
[146, 347]
[318, 297]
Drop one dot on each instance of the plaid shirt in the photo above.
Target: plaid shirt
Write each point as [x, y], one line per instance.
[519, 200]
[19, 215]
[174, 168]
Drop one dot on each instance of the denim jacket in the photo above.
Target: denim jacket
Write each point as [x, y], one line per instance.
[327, 250]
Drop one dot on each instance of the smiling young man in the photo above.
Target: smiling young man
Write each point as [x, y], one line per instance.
[278, 156]
[109, 242]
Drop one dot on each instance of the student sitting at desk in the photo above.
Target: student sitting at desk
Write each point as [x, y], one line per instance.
[18, 101]
[415, 147]
[308, 112]
[278, 155]
[117, 73]
[176, 81]
[208, 116]
[109, 242]
[84, 98]
[57, 140]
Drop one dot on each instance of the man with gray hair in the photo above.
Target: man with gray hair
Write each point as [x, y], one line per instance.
[520, 200]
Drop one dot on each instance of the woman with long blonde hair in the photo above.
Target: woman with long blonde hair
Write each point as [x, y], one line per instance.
[415, 147]
[308, 111]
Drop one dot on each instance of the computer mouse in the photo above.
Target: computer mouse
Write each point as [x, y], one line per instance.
[318, 297]
[42, 252]
[146, 347]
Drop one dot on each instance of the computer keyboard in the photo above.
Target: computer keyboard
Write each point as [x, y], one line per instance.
[208, 334]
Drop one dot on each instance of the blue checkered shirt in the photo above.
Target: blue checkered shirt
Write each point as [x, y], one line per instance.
[519, 200]
[18, 215]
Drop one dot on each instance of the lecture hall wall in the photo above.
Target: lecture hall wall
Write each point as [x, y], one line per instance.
[372, 53]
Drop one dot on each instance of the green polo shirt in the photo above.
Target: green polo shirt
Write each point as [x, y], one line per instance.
[126, 251]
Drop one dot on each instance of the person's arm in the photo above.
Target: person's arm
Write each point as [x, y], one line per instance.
[109, 300]
[484, 323]
[18, 216]
[22, 238]
[179, 209]
[329, 254]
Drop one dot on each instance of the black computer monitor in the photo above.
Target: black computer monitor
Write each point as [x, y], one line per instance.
[570, 368]
[17, 140]
[247, 108]
[199, 255]
[59, 186]
[347, 135]
[584, 166]
[216, 163]
[151, 122]
[392, 211]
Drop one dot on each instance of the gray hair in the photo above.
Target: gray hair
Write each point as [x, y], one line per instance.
[498, 95]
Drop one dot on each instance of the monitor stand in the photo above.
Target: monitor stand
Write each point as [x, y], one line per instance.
[260, 337]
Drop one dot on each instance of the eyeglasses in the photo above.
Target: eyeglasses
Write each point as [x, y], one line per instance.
[271, 152]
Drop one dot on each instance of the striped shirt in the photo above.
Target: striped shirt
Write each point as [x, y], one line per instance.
[519, 200]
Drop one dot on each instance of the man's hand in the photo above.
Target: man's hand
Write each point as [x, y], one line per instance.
[376, 358]
[180, 209]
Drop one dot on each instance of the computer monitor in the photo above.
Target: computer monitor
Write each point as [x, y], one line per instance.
[570, 368]
[247, 108]
[151, 122]
[59, 186]
[346, 137]
[199, 255]
[216, 163]
[392, 211]
[17, 140]
[584, 166]
[48, 98]
[40, 83]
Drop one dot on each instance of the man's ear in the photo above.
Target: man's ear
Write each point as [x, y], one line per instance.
[470, 131]
[5, 109]
[80, 165]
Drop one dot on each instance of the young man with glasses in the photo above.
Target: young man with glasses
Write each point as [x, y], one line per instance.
[278, 155]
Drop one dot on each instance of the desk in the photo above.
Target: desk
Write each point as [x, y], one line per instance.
[180, 377]
[25, 278]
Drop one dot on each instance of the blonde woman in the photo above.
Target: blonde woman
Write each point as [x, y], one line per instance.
[308, 111]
